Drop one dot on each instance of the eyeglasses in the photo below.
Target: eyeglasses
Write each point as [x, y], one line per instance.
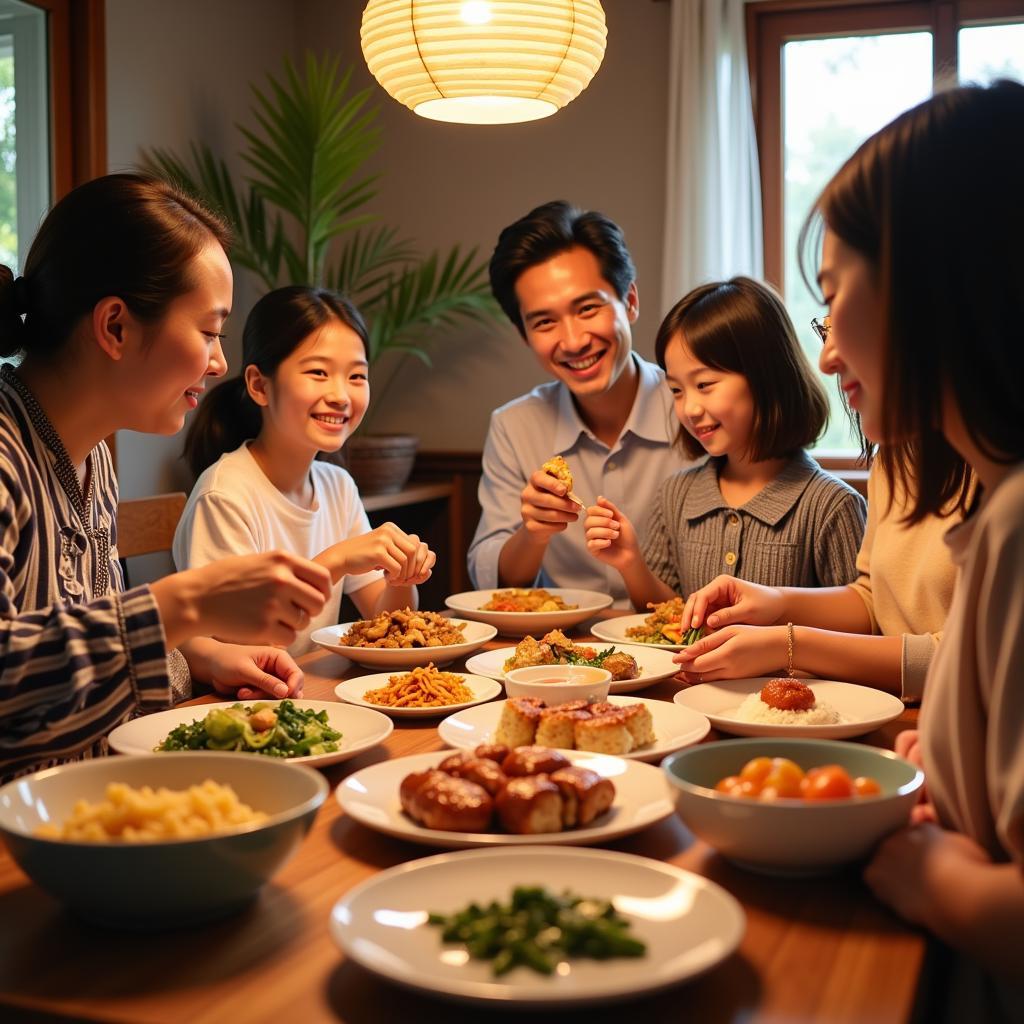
[822, 328]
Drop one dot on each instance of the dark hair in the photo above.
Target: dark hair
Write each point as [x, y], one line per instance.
[123, 234]
[741, 326]
[546, 232]
[933, 202]
[274, 329]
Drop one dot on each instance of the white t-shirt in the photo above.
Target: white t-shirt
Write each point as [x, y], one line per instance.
[235, 510]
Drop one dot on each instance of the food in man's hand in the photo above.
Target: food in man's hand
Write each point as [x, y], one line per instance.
[664, 626]
[421, 688]
[281, 730]
[538, 929]
[404, 628]
[531, 790]
[526, 599]
[603, 728]
[557, 467]
[147, 815]
[786, 702]
[555, 648]
[775, 778]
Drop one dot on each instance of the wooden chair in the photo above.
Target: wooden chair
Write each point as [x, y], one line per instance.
[146, 525]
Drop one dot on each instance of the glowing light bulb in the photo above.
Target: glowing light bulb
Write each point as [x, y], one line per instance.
[476, 12]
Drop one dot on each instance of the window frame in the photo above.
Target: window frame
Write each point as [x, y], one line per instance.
[76, 47]
[772, 23]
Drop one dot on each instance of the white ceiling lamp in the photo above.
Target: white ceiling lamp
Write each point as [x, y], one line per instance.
[484, 61]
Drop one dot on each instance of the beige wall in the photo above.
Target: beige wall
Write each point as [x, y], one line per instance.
[181, 71]
[177, 72]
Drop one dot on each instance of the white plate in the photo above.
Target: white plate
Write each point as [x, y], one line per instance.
[615, 631]
[642, 797]
[672, 731]
[476, 634]
[535, 624]
[351, 691]
[654, 665]
[689, 924]
[860, 708]
[360, 728]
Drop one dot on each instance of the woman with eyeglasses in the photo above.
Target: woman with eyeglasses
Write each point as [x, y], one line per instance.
[883, 628]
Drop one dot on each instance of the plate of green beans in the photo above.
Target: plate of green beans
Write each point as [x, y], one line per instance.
[537, 926]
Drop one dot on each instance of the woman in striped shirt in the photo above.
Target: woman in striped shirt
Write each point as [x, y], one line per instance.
[118, 321]
[759, 507]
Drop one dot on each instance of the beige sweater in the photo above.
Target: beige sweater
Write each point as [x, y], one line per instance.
[972, 718]
[906, 579]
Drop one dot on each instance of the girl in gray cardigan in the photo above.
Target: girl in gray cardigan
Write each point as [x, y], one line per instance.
[758, 506]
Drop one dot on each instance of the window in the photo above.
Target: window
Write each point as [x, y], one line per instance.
[827, 77]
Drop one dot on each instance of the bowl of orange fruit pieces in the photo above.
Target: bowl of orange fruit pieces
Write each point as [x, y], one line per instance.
[792, 806]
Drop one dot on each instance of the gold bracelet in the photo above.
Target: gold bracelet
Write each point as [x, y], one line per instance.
[789, 649]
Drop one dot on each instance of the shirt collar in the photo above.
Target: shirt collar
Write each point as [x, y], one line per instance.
[651, 416]
[771, 505]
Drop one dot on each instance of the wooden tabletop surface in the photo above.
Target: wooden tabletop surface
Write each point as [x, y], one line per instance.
[815, 949]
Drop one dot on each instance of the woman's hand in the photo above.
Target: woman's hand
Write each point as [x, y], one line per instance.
[403, 557]
[913, 870]
[262, 599]
[727, 600]
[253, 673]
[611, 537]
[735, 652]
[544, 507]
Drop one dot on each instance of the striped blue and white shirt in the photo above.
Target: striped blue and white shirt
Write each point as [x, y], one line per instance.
[77, 655]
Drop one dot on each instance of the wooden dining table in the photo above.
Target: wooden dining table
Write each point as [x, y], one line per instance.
[815, 949]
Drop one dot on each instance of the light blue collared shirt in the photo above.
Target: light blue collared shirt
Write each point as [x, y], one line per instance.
[528, 431]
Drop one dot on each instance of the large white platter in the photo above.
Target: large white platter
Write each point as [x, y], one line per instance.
[476, 634]
[672, 730]
[642, 797]
[615, 631]
[860, 708]
[688, 923]
[352, 690]
[536, 624]
[360, 728]
[654, 665]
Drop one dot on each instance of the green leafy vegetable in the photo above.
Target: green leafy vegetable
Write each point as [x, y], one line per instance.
[537, 929]
[274, 731]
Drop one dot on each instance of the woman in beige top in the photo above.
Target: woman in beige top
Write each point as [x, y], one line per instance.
[921, 267]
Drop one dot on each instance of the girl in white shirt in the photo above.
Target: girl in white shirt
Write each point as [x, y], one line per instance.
[303, 389]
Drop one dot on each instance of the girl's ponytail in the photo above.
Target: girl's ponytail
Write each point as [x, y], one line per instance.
[227, 417]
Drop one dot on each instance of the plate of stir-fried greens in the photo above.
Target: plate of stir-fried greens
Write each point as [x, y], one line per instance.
[308, 731]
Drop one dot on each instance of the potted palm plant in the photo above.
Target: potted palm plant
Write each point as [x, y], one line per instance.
[301, 217]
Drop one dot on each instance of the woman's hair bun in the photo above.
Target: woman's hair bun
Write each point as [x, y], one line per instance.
[13, 296]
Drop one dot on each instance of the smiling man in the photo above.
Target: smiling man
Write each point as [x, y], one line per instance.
[566, 280]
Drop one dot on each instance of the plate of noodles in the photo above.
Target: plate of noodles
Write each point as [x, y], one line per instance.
[517, 611]
[420, 693]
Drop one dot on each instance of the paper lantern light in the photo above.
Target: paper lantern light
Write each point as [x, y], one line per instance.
[483, 61]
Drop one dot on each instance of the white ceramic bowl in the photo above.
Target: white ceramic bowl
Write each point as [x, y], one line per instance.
[536, 624]
[156, 884]
[791, 837]
[556, 684]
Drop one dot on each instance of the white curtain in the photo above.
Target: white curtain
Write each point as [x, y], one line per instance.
[713, 206]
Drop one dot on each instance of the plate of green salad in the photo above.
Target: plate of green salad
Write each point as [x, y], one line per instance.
[313, 732]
